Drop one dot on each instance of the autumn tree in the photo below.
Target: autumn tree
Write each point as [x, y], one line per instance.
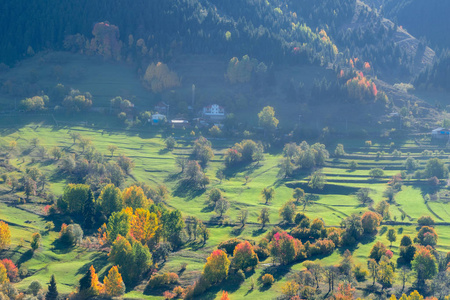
[284, 247]
[143, 225]
[114, 285]
[52, 293]
[244, 256]
[110, 199]
[370, 221]
[216, 267]
[427, 236]
[158, 77]
[424, 264]
[89, 284]
[372, 265]
[11, 269]
[263, 217]
[224, 296]
[268, 194]
[134, 197]
[5, 235]
[125, 163]
[377, 251]
[267, 118]
[3, 274]
[386, 273]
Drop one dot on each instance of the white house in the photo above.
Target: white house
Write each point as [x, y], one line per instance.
[214, 111]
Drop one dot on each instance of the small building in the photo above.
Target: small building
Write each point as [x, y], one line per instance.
[162, 108]
[440, 133]
[214, 111]
[179, 123]
[157, 119]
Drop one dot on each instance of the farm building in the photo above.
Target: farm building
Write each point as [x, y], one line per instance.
[440, 133]
[157, 119]
[162, 108]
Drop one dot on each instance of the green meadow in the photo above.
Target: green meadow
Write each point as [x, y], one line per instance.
[241, 186]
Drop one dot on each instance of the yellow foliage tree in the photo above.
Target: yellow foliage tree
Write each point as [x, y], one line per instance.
[143, 225]
[113, 283]
[5, 235]
[158, 77]
[3, 274]
[134, 197]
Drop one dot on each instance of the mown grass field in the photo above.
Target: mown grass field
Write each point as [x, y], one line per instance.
[155, 165]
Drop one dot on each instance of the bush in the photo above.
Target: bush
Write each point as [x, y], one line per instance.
[70, 234]
[237, 277]
[267, 280]
[425, 221]
[360, 273]
[162, 280]
[229, 245]
[262, 253]
[321, 247]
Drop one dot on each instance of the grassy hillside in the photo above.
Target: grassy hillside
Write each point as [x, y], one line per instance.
[156, 165]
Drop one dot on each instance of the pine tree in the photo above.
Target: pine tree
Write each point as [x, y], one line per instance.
[89, 211]
[85, 281]
[52, 293]
[114, 285]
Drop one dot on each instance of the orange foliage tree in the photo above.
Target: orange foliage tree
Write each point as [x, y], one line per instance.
[135, 197]
[370, 221]
[244, 256]
[224, 296]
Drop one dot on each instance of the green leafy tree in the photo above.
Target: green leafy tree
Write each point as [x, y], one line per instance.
[263, 217]
[407, 249]
[214, 196]
[119, 223]
[52, 293]
[391, 236]
[339, 151]
[386, 274]
[267, 118]
[298, 194]
[317, 180]
[363, 196]
[436, 168]
[173, 225]
[268, 194]
[110, 199]
[74, 197]
[170, 143]
[35, 241]
[287, 211]
[89, 211]
[112, 149]
[221, 207]
[376, 173]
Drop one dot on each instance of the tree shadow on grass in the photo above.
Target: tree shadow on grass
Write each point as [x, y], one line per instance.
[99, 260]
[259, 231]
[25, 257]
[163, 151]
[278, 273]
[247, 167]
[187, 189]
[173, 177]
[61, 248]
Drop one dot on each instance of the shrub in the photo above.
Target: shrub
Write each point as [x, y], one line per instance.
[237, 276]
[229, 245]
[321, 247]
[262, 253]
[162, 280]
[70, 234]
[360, 273]
[267, 280]
[425, 221]
[178, 291]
